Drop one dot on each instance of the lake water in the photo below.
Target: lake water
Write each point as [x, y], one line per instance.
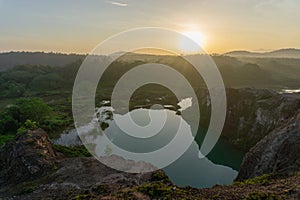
[219, 167]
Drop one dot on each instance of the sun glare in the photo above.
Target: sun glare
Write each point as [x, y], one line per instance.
[196, 37]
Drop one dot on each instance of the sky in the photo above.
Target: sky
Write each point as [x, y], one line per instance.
[78, 26]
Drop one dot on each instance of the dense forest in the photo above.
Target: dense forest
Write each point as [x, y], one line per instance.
[50, 86]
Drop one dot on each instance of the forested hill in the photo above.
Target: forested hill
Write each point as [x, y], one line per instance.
[11, 59]
[281, 53]
[54, 69]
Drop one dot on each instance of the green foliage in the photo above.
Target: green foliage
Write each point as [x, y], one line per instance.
[22, 129]
[102, 189]
[26, 112]
[30, 80]
[155, 190]
[32, 108]
[8, 124]
[5, 138]
[19, 76]
[54, 122]
[31, 125]
[28, 125]
[46, 82]
[71, 152]
[265, 178]
[12, 89]
[262, 196]
[80, 197]
[159, 175]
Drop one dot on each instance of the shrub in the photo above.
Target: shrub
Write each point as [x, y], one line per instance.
[28, 125]
[70, 152]
[265, 178]
[262, 196]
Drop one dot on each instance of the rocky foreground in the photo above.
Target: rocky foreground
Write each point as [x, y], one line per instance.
[31, 168]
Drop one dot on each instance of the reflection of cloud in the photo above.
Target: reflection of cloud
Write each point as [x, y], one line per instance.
[118, 3]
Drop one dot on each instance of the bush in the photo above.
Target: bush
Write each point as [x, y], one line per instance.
[32, 108]
[155, 190]
[28, 125]
[8, 124]
[5, 138]
[28, 112]
[71, 152]
[263, 179]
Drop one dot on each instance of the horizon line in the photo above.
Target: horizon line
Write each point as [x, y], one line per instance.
[213, 53]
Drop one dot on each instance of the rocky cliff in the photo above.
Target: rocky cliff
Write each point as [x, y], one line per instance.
[252, 114]
[27, 157]
[32, 169]
[276, 154]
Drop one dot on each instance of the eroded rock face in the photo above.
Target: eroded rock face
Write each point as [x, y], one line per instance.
[278, 153]
[28, 156]
[31, 169]
[252, 114]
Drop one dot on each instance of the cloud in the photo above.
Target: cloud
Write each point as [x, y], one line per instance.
[118, 3]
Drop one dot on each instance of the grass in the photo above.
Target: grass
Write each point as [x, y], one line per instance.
[265, 178]
[80, 197]
[262, 196]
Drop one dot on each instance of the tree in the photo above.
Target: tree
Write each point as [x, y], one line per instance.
[8, 124]
[33, 109]
[27, 111]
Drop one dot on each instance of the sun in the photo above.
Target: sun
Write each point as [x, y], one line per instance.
[198, 39]
[196, 36]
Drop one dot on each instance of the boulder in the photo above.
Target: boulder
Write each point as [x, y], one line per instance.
[28, 156]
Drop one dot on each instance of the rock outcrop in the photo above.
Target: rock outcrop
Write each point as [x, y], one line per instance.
[252, 114]
[28, 156]
[31, 169]
[277, 154]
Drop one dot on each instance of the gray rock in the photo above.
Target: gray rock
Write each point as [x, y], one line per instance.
[31, 169]
[277, 154]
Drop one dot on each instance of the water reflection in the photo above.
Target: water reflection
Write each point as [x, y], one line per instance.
[189, 169]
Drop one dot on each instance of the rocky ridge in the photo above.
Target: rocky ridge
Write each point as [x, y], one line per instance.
[32, 169]
[252, 114]
[276, 154]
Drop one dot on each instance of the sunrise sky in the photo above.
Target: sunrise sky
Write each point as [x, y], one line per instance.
[77, 26]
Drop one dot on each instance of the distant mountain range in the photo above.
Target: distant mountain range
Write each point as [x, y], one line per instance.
[281, 53]
[11, 59]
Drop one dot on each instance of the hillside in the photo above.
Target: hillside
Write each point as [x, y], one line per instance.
[281, 53]
[11, 59]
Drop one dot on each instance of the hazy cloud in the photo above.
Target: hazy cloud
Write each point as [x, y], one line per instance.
[118, 3]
